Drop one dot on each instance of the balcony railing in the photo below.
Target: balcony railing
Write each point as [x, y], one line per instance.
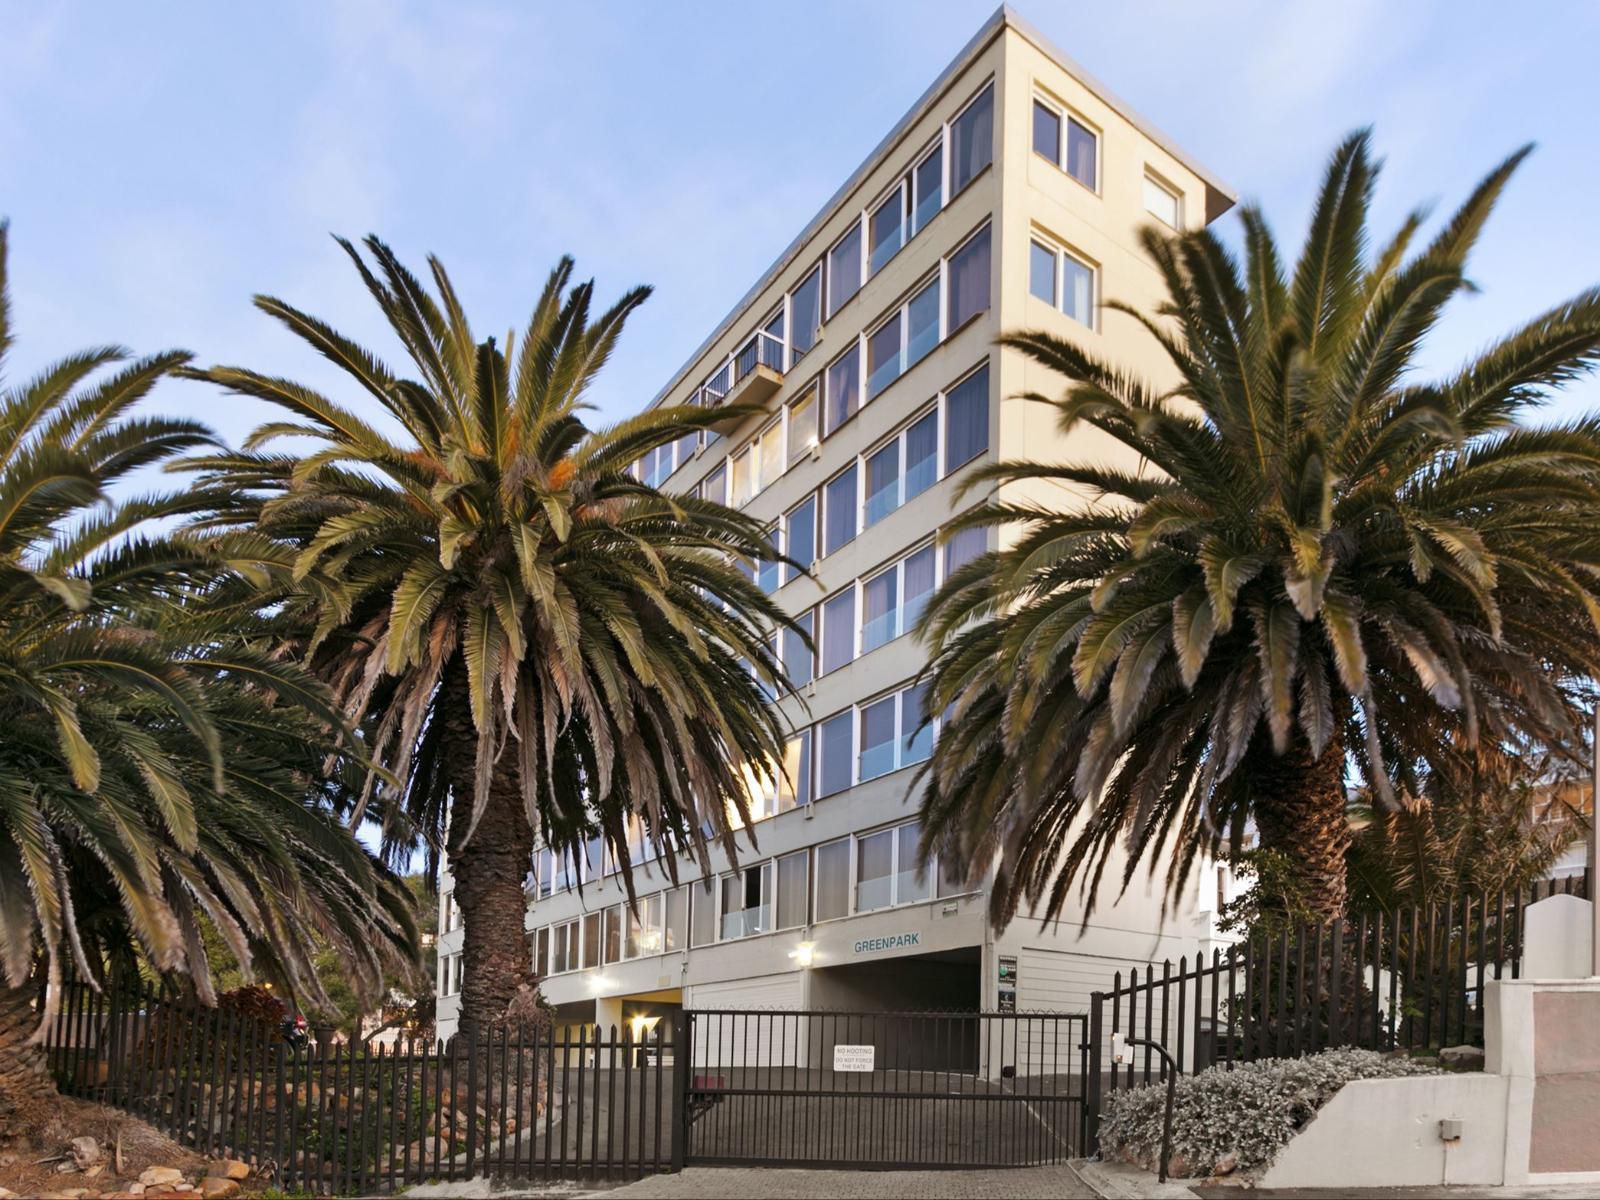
[754, 371]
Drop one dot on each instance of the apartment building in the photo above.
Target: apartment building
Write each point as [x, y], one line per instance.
[1008, 197]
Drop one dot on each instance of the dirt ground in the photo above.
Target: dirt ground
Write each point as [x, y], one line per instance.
[32, 1162]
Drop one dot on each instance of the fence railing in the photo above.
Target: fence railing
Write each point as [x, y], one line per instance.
[348, 1117]
[1406, 980]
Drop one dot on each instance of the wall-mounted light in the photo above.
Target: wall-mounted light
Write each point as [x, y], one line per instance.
[598, 983]
[804, 953]
[642, 1026]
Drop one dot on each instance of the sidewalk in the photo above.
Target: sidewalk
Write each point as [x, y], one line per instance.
[1118, 1181]
[736, 1183]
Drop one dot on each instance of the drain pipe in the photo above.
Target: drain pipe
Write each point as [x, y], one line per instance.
[1119, 1052]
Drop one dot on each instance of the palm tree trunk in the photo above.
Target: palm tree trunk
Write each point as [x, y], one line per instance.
[24, 1082]
[488, 870]
[1300, 813]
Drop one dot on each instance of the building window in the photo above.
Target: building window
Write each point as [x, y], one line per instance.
[799, 659]
[903, 469]
[805, 314]
[904, 339]
[768, 574]
[833, 880]
[844, 389]
[969, 281]
[703, 916]
[1161, 202]
[591, 940]
[1061, 280]
[449, 913]
[802, 425]
[972, 140]
[839, 510]
[758, 465]
[838, 630]
[675, 932]
[927, 187]
[643, 936]
[449, 974]
[564, 948]
[541, 952]
[837, 745]
[1047, 132]
[893, 733]
[966, 420]
[800, 537]
[844, 269]
[892, 600]
[793, 888]
[714, 487]
[887, 228]
[886, 869]
[964, 546]
[747, 902]
[544, 870]
[613, 918]
[794, 789]
[1083, 153]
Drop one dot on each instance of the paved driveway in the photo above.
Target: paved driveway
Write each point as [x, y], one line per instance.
[736, 1183]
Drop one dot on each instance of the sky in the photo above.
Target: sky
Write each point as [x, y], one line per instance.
[160, 163]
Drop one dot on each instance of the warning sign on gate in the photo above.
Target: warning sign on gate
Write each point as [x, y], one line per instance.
[852, 1058]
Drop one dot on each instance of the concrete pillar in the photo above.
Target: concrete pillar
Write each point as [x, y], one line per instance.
[608, 1017]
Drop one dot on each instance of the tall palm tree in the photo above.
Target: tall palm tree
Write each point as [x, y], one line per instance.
[156, 777]
[518, 624]
[1322, 563]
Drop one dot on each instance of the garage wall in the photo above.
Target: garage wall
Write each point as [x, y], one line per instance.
[772, 1034]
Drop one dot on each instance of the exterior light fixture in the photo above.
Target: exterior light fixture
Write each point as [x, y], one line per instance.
[804, 953]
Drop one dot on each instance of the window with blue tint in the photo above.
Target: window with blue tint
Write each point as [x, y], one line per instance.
[839, 510]
[875, 871]
[883, 483]
[972, 140]
[794, 789]
[768, 575]
[916, 737]
[883, 356]
[969, 281]
[922, 321]
[877, 738]
[910, 880]
[799, 660]
[880, 609]
[837, 749]
[964, 546]
[922, 455]
[886, 230]
[1082, 151]
[1047, 132]
[838, 630]
[966, 420]
[916, 584]
[927, 183]
[844, 390]
[715, 485]
[844, 269]
[1042, 272]
[801, 537]
[805, 307]
[1077, 290]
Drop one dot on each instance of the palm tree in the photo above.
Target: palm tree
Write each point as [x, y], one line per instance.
[1321, 564]
[517, 623]
[156, 779]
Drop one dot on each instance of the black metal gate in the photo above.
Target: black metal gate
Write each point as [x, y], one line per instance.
[880, 1090]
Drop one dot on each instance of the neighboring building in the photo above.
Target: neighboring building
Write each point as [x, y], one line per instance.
[1009, 196]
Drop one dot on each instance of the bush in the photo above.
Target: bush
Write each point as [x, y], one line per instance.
[1249, 1111]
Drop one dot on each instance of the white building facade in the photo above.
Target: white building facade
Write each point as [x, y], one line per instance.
[1008, 197]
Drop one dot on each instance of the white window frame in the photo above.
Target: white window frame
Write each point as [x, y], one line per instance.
[937, 146]
[898, 695]
[658, 927]
[902, 313]
[823, 510]
[949, 126]
[897, 566]
[814, 499]
[1065, 113]
[945, 328]
[1159, 182]
[932, 873]
[794, 455]
[558, 930]
[818, 269]
[899, 438]
[858, 347]
[768, 892]
[1058, 278]
[900, 192]
[849, 879]
[829, 309]
[944, 423]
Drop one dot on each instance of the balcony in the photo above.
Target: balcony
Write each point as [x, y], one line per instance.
[752, 374]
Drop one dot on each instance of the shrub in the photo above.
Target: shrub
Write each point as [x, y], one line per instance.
[1249, 1111]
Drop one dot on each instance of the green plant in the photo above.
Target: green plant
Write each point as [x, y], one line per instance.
[156, 772]
[506, 611]
[1250, 1111]
[1314, 562]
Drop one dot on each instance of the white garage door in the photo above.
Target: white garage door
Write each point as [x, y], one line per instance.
[763, 1027]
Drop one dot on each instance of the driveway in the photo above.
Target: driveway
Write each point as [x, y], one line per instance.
[736, 1183]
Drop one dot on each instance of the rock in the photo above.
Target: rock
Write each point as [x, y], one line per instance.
[160, 1176]
[228, 1168]
[1226, 1165]
[213, 1187]
[94, 1171]
[7, 1193]
[64, 1194]
[136, 1188]
[1178, 1167]
[1462, 1058]
[85, 1151]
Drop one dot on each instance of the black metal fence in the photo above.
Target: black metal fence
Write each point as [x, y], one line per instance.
[340, 1117]
[1410, 980]
[884, 1090]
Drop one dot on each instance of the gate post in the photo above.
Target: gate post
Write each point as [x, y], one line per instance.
[469, 1029]
[1091, 1084]
[682, 1064]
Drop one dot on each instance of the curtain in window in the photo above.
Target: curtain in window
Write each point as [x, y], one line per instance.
[969, 281]
[972, 141]
[966, 416]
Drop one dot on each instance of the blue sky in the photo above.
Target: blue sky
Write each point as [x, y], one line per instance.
[160, 163]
